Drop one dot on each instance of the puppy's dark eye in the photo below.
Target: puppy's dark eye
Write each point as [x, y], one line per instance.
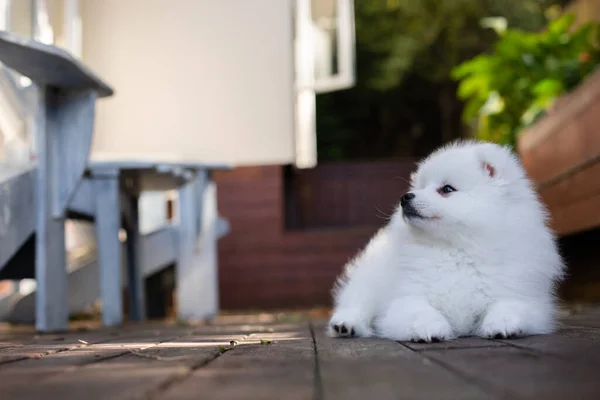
[446, 190]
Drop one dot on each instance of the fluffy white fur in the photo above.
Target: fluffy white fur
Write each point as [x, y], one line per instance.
[479, 261]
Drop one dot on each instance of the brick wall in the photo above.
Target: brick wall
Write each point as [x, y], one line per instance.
[264, 266]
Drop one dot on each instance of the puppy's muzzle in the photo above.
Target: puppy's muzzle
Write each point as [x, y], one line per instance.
[407, 207]
[405, 200]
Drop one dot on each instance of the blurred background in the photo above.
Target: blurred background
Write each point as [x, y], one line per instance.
[322, 107]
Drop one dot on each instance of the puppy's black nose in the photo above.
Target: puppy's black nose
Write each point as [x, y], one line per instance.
[406, 198]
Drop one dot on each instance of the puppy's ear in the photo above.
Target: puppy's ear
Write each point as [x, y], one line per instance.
[489, 169]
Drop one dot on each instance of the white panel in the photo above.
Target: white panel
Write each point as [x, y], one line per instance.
[195, 80]
[325, 53]
[152, 211]
[304, 46]
[329, 27]
[21, 17]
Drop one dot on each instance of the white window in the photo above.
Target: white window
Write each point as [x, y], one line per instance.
[58, 22]
[48, 21]
[15, 118]
[325, 62]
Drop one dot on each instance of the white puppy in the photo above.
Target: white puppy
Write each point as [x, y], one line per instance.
[467, 253]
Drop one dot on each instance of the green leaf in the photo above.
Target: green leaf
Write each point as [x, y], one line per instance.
[548, 88]
[514, 44]
[494, 104]
[583, 34]
[478, 65]
[224, 349]
[561, 25]
[477, 85]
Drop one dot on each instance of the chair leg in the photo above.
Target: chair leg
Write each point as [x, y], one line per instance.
[108, 224]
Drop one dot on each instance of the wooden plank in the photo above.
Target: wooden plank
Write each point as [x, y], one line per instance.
[579, 332]
[15, 376]
[589, 319]
[108, 224]
[576, 216]
[137, 363]
[16, 353]
[562, 139]
[180, 362]
[282, 369]
[245, 329]
[25, 347]
[579, 186]
[188, 272]
[98, 366]
[136, 287]
[572, 202]
[462, 343]
[70, 118]
[51, 300]
[382, 369]
[515, 373]
[579, 345]
[5, 344]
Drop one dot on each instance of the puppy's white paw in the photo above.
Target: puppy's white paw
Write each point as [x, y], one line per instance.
[496, 326]
[349, 323]
[507, 320]
[422, 328]
[414, 320]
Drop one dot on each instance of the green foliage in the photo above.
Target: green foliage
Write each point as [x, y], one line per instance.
[406, 50]
[431, 36]
[513, 86]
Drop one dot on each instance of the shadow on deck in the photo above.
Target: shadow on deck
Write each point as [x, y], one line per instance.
[288, 357]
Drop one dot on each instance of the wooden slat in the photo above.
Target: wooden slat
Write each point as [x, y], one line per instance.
[20, 350]
[381, 369]
[573, 202]
[121, 368]
[32, 346]
[181, 362]
[579, 186]
[575, 344]
[577, 216]
[561, 154]
[462, 343]
[54, 367]
[589, 319]
[283, 369]
[515, 373]
[145, 362]
[567, 136]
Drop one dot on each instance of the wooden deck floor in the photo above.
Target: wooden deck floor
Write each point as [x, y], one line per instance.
[288, 357]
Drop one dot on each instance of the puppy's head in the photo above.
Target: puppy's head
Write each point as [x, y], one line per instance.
[466, 189]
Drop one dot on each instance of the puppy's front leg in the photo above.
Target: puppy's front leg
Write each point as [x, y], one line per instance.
[514, 318]
[414, 319]
[350, 322]
[355, 304]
